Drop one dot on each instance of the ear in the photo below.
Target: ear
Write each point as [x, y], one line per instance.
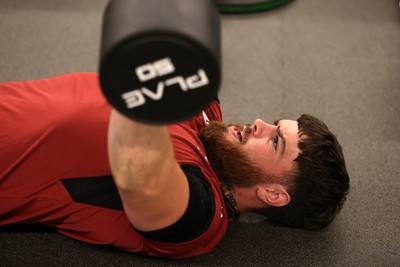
[273, 195]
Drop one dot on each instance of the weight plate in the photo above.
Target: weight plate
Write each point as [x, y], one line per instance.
[247, 6]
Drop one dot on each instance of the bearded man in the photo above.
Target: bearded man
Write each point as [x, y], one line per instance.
[71, 162]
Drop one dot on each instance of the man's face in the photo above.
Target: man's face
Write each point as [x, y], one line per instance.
[273, 148]
[252, 153]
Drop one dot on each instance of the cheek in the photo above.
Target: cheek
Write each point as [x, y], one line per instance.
[264, 157]
[258, 152]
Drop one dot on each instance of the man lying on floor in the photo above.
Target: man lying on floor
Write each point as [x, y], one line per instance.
[70, 162]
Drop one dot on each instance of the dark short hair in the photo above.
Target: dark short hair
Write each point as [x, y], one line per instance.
[320, 182]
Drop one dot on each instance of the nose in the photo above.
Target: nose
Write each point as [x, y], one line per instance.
[263, 129]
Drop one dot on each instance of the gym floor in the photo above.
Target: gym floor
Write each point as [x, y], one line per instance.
[338, 60]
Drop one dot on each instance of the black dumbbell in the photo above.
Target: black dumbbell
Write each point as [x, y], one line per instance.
[160, 60]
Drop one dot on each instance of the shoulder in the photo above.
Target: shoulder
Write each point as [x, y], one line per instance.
[213, 111]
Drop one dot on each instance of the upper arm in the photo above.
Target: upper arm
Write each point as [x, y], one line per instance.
[161, 205]
[198, 215]
[153, 188]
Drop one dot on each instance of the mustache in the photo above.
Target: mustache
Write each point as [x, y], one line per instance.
[247, 129]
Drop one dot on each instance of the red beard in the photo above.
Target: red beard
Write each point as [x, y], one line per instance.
[227, 158]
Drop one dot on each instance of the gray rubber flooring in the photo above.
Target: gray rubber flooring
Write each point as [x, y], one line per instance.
[338, 60]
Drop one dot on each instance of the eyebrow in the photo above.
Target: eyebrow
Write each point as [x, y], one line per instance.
[283, 146]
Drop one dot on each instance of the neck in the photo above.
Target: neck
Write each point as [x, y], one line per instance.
[238, 197]
[243, 199]
[230, 194]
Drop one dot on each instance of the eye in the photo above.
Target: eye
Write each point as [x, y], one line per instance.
[275, 141]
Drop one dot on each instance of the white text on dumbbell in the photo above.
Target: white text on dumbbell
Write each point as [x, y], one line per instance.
[136, 98]
[156, 69]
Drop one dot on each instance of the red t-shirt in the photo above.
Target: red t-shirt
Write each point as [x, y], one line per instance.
[55, 129]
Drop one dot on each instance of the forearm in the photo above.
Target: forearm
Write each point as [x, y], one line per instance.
[137, 152]
[153, 188]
